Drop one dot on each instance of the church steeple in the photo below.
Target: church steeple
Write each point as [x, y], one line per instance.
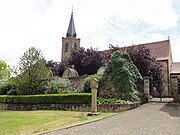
[71, 29]
[70, 42]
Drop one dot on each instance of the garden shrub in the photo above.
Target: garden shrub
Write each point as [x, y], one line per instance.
[59, 85]
[87, 81]
[75, 98]
[101, 100]
[7, 86]
[120, 78]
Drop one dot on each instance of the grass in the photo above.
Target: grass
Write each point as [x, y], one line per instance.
[31, 122]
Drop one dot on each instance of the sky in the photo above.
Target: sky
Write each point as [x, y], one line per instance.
[43, 23]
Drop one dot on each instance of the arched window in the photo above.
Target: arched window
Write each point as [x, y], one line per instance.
[75, 45]
[66, 48]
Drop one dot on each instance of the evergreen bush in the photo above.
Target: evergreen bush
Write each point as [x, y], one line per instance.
[121, 78]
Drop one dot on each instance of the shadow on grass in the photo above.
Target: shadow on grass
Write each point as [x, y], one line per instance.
[172, 109]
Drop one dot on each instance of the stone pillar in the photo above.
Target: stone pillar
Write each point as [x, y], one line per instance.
[94, 86]
[146, 86]
[174, 88]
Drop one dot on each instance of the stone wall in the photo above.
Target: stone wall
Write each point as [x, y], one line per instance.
[69, 107]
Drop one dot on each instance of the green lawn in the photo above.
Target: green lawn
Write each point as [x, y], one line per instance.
[30, 122]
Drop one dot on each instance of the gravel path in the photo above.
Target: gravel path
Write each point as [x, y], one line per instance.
[149, 119]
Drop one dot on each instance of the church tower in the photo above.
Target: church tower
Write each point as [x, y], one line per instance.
[70, 42]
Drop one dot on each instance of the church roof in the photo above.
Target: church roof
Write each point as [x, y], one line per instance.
[71, 29]
[161, 49]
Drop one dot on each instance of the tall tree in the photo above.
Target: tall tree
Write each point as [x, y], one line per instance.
[5, 71]
[86, 61]
[32, 72]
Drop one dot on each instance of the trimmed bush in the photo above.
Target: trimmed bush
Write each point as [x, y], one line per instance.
[76, 98]
[87, 81]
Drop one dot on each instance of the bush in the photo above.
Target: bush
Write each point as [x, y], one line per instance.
[7, 86]
[87, 81]
[76, 98]
[59, 85]
[101, 100]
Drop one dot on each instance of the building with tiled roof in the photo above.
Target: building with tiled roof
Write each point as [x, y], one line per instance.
[161, 50]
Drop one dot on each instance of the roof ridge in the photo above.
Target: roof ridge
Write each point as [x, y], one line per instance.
[155, 42]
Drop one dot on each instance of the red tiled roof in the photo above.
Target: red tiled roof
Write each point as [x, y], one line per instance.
[158, 49]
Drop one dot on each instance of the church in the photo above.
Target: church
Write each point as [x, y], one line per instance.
[161, 50]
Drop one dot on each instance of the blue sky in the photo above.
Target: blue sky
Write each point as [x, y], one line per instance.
[43, 23]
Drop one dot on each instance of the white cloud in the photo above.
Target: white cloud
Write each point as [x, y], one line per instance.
[42, 24]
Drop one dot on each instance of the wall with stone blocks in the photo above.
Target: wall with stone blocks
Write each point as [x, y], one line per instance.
[69, 107]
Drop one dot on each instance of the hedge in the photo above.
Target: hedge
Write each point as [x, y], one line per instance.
[75, 98]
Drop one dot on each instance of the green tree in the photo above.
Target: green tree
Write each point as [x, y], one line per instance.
[32, 72]
[121, 78]
[5, 71]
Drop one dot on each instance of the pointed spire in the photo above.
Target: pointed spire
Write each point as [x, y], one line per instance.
[71, 29]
